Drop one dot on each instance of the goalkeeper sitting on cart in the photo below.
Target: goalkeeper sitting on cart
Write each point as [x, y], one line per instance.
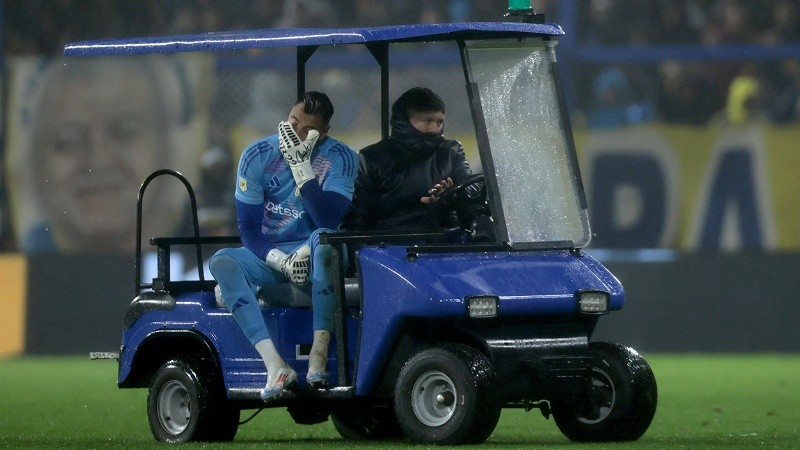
[290, 187]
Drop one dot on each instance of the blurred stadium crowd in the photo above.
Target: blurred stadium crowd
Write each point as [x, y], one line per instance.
[607, 94]
[45, 25]
[693, 92]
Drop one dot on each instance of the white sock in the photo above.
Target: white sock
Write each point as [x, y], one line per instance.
[318, 356]
[272, 359]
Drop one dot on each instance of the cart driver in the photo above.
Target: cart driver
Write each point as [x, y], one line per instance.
[401, 177]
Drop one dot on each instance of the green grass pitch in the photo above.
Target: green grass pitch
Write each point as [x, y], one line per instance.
[705, 401]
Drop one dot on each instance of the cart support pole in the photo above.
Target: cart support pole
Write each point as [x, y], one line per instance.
[340, 316]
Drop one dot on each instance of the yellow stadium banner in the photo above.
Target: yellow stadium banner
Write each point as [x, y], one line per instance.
[680, 187]
[690, 188]
[13, 278]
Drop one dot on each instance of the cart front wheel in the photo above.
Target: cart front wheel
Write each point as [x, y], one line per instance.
[619, 402]
[444, 396]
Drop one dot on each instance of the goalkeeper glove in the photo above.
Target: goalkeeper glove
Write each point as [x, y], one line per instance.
[293, 266]
[297, 153]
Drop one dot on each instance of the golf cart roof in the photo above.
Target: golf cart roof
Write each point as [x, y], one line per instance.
[522, 66]
[294, 37]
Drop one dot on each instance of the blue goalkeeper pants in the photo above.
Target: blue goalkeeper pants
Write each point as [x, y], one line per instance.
[240, 274]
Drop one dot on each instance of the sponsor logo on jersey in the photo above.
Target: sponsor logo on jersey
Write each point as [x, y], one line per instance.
[283, 211]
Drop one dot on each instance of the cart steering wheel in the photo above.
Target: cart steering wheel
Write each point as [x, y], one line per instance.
[466, 197]
[460, 194]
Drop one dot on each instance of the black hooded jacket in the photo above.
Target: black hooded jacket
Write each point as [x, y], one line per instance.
[395, 173]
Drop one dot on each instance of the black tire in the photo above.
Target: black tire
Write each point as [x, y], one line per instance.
[444, 396]
[309, 413]
[622, 401]
[356, 420]
[187, 402]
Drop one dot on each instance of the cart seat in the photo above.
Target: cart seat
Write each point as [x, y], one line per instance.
[290, 295]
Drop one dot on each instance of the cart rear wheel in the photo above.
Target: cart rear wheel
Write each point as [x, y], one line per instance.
[186, 403]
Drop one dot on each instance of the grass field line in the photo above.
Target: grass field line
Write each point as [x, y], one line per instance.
[705, 401]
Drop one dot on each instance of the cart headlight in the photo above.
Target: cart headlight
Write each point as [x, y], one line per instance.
[593, 302]
[482, 306]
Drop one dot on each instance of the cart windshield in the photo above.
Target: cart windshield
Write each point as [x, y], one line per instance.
[527, 147]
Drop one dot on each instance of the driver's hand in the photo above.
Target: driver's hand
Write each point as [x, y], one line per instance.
[436, 191]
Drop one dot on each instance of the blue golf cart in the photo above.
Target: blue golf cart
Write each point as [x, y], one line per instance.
[435, 332]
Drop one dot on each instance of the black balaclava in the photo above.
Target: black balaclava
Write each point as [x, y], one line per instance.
[412, 143]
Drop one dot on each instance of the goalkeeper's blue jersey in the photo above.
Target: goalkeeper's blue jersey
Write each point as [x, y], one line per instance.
[264, 177]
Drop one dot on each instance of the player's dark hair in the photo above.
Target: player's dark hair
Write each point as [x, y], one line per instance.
[418, 99]
[318, 104]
